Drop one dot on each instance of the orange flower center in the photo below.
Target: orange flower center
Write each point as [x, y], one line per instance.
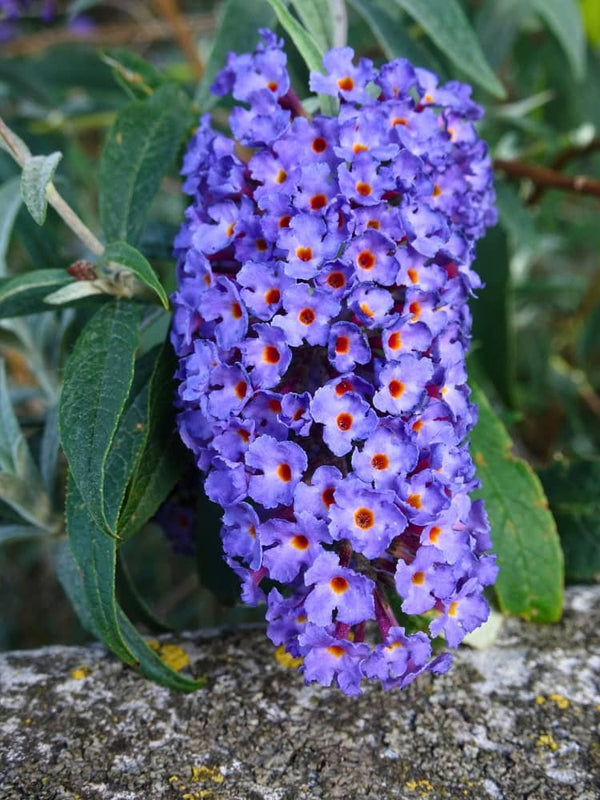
[380, 461]
[364, 518]
[344, 421]
[342, 345]
[366, 259]
[307, 316]
[271, 355]
[346, 84]
[396, 389]
[304, 253]
[272, 296]
[284, 473]
[339, 585]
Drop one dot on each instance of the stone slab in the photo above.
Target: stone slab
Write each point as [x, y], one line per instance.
[518, 720]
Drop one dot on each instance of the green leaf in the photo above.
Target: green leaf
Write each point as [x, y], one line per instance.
[95, 556]
[151, 665]
[10, 431]
[564, 19]
[445, 23]
[530, 582]
[10, 202]
[98, 376]
[49, 447]
[492, 314]
[385, 20]
[573, 493]
[213, 572]
[133, 603]
[13, 533]
[69, 576]
[27, 498]
[129, 440]
[515, 217]
[307, 47]
[128, 257]
[497, 25]
[164, 457]
[25, 293]
[72, 292]
[21, 484]
[133, 73]
[236, 32]
[317, 18]
[86, 570]
[38, 172]
[140, 147]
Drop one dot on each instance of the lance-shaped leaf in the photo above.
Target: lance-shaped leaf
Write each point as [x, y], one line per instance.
[130, 439]
[131, 259]
[38, 172]
[140, 148]
[446, 24]
[87, 573]
[98, 376]
[95, 555]
[317, 18]
[25, 293]
[530, 582]
[163, 458]
[564, 19]
[10, 202]
[21, 485]
[574, 496]
[13, 533]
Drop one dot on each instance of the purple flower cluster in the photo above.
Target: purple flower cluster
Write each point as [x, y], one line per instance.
[321, 324]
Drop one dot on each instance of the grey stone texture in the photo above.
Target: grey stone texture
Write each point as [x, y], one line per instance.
[518, 720]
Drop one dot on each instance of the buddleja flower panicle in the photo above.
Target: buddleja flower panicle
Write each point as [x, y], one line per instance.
[321, 324]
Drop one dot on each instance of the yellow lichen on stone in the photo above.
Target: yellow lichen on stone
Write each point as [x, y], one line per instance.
[540, 699]
[285, 659]
[79, 673]
[546, 740]
[560, 701]
[172, 655]
[203, 773]
[423, 787]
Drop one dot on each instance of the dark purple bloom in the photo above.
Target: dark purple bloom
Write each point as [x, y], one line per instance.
[321, 328]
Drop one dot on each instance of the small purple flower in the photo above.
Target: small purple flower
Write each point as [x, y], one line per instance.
[402, 384]
[327, 659]
[423, 581]
[290, 546]
[279, 466]
[345, 418]
[308, 315]
[267, 354]
[337, 589]
[369, 519]
[463, 612]
[385, 459]
[348, 346]
[344, 79]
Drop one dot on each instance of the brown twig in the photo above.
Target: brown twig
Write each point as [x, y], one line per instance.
[181, 32]
[549, 178]
[112, 34]
[562, 158]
